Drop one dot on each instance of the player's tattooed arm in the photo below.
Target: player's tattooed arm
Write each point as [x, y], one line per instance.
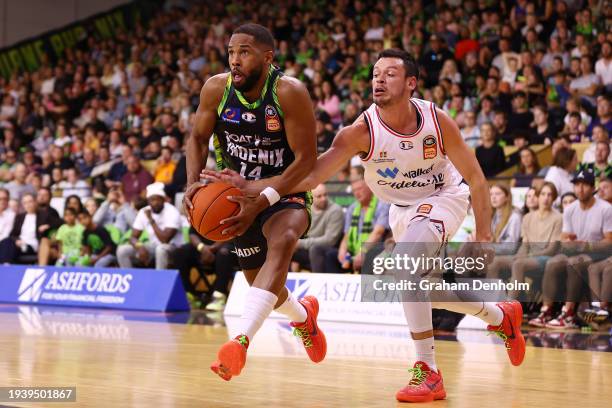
[464, 160]
[197, 142]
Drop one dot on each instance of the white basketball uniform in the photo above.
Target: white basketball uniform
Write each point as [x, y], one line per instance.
[413, 173]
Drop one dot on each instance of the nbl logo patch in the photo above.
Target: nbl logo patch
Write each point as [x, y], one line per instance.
[249, 117]
[406, 145]
[273, 123]
[430, 147]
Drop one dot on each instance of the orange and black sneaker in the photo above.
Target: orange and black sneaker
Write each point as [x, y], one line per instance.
[510, 331]
[425, 386]
[231, 357]
[309, 332]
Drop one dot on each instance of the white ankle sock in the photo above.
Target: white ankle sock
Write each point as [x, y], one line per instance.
[491, 314]
[425, 352]
[258, 305]
[292, 309]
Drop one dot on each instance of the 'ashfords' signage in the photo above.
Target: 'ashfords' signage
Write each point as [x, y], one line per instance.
[138, 289]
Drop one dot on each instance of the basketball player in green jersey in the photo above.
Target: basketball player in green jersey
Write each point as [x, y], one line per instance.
[264, 128]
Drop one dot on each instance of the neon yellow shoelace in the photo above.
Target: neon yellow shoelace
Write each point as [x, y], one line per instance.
[418, 375]
[499, 332]
[302, 333]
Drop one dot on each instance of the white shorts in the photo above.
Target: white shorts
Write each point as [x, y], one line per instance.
[446, 210]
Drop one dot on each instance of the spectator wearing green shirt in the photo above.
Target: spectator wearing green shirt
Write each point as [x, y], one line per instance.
[69, 237]
[97, 241]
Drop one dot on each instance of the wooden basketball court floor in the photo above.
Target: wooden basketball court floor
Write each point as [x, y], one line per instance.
[147, 360]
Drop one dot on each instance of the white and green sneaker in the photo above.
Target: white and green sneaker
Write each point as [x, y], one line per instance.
[218, 302]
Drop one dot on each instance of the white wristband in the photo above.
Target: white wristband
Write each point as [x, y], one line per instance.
[271, 194]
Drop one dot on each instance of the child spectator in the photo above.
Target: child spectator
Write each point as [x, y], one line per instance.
[98, 245]
[68, 239]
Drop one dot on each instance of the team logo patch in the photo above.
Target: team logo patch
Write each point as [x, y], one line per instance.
[249, 117]
[273, 123]
[406, 145]
[231, 115]
[270, 110]
[430, 147]
[424, 209]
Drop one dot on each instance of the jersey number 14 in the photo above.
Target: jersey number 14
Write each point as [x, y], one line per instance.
[255, 174]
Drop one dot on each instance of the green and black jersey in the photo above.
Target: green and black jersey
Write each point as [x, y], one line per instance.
[250, 138]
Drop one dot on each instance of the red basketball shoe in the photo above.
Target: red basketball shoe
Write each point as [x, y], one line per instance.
[231, 357]
[310, 333]
[425, 385]
[510, 331]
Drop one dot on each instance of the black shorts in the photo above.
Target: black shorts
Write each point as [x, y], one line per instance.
[252, 246]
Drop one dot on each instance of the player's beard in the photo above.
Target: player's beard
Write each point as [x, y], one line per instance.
[250, 80]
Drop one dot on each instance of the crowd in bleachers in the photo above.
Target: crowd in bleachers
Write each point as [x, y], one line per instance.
[565, 253]
[91, 146]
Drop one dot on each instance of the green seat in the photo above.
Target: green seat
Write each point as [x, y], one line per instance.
[186, 234]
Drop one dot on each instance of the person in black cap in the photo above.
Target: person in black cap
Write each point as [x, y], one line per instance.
[586, 233]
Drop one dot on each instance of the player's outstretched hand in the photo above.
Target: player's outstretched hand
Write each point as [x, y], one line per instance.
[249, 208]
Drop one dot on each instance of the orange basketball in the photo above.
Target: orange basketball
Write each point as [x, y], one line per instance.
[210, 206]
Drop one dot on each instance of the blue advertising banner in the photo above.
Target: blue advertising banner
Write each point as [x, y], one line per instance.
[128, 289]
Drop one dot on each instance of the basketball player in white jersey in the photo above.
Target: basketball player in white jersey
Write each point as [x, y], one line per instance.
[415, 158]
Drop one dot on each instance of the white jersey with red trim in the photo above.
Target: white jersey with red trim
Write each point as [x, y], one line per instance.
[404, 169]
